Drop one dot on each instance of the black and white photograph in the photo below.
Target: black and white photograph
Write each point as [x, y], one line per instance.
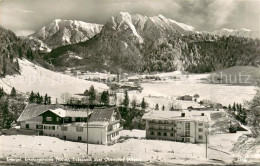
[129, 82]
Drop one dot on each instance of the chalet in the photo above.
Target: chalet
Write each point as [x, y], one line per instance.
[185, 97]
[177, 126]
[98, 126]
[30, 119]
[133, 79]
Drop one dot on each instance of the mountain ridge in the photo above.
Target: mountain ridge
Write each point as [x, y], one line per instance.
[139, 43]
[62, 32]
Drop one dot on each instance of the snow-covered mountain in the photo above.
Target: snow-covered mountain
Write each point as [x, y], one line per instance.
[143, 29]
[238, 32]
[133, 42]
[62, 32]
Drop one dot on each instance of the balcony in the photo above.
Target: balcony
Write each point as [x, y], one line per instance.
[114, 131]
[153, 129]
[162, 124]
[114, 122]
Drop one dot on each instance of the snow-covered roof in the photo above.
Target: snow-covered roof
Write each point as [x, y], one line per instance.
[90, 124]
[176, 115]
[69, 113]
[34, 110]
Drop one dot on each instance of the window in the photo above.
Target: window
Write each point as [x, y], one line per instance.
[66, 119]
[79, 129]
[164, 134]
[172, 134]
[159, 133]
[27, 126]
[53, 127]
[79, 138]
[187, 126]
[39, 126]
[73, 119]
[200, 124]
[64, 128]
[152, 133]
[187, 139]
[200, 137]
[57, 119]
[200, 129]
[48, 119]
[187, 133]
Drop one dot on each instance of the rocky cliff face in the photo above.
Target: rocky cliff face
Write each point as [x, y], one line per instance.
[62, 32]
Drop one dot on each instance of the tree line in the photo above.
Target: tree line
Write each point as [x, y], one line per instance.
[38, 99]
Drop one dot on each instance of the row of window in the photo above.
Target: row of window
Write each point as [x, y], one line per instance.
[63, 128]
[161, 133]
[112, 135]
[66, 119]
[172, 135]
[49, 127]
[161, 128]
[162, 122]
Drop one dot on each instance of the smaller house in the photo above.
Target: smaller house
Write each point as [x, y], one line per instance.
[133, 79]
[185, 98]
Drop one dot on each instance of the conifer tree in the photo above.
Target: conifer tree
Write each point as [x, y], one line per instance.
[143, 104]
[157, 107]
[126, 99]
[13, 92]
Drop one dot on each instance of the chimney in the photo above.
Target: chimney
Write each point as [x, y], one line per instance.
[202, 114]
[182, 114]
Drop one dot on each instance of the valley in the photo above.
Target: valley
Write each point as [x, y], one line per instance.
[202, 88]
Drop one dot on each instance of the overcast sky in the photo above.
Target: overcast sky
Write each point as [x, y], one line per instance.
[26, 16]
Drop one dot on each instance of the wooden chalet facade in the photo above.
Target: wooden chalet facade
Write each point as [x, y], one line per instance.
[103, 125]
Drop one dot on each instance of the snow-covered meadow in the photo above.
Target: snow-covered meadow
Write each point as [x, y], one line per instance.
[138, 149]
[38, 79]
[195, 84]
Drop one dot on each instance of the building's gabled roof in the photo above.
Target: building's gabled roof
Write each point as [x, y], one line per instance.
[101, 115]
[34, 110]
[70, 113]
[176, 115]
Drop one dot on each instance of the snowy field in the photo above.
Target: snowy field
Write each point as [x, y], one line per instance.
[194, 84]
[150, 150]
[38, 79]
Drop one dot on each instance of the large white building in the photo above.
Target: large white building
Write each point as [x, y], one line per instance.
[177, 126]
[103, 126]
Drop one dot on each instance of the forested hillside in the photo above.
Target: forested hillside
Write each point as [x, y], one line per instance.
[11, 48]
[196, 53]
[203, 53]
